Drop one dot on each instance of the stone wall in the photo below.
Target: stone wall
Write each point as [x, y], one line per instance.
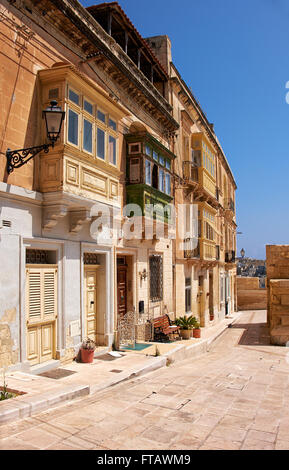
[249, 294]
[278, 292]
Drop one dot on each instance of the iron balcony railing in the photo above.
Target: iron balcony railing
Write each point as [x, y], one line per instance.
[190, 172]
[191, 250]
[230, 256]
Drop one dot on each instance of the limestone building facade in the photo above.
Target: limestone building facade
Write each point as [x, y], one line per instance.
[205, 269]
[131, 125]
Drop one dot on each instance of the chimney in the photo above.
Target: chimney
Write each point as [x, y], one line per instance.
[162, 49]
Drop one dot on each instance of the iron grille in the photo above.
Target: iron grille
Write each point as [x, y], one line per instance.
[37, 257]
[156, 278]
[90, 258]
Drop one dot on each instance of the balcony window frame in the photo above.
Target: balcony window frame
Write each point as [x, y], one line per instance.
[105, 126]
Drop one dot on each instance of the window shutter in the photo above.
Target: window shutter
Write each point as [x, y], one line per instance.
[41, 294]
[34, 294]
[134, 170]
[49, 292]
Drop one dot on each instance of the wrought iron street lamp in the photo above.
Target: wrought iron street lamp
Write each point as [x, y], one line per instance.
[54, 117]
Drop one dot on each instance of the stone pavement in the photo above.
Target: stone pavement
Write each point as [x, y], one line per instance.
[42, 393]
[234, 397]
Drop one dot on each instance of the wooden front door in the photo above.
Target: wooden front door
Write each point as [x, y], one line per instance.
[41, 313]
[90, 303]
[201, 299]
[122, 290]
[211, 296]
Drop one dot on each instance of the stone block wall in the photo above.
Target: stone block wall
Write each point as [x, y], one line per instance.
[278, 292]
[249, 294]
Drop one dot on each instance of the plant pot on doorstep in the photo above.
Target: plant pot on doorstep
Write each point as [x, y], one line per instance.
[86, 355]
[87, 351]
[185, 334]
[197, 332]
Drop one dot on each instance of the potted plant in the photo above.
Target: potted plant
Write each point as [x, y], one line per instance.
[87, 349]
[197, 330]
[186, 325]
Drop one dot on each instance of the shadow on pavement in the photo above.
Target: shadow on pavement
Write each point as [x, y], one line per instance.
[255, 334]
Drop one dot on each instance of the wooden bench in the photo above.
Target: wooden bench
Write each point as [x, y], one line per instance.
[163, 328]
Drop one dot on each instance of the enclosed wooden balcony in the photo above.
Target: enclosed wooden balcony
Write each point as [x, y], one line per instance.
[230, 256]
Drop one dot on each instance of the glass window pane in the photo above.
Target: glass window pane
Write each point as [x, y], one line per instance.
[87, 136]
[100, 152]
[88, 107]
[112, 150]
[161, 180]
[73, 127]
[161, 160]
[148, 176]
[168, 184]
[148, 150]
[74, 97]
[168, 164]
[155, 156]
[100, 116]
[112, 124]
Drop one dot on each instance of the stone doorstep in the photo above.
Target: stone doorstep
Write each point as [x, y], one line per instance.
[25, 406]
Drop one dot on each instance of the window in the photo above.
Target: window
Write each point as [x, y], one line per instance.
[148, 174]
[188, 295]
[112, 150]
[74, 97]
[161, 181]
[87, 135]
[112, 124]
[88, 107]
[155, 156]
[73, 127]
[168, 164]
[100, 142]
[101, 116]
[148, 150]
[98, 129]
[168, 184]
[161, 160]
[156, 278]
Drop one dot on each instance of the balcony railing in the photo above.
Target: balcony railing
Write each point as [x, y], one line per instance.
[229, 204]
[230, 256]
[191, 251]
[190, 172]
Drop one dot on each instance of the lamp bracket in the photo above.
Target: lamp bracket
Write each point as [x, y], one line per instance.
[18, 158]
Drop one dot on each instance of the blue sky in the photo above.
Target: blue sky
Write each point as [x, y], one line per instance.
[235, 56]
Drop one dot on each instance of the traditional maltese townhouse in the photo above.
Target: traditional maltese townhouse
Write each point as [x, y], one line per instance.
[67, 267]
[204, 253]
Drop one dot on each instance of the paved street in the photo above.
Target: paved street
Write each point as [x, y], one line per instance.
[234, 397]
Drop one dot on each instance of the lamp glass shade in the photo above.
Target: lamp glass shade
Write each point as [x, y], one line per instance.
[53, 116]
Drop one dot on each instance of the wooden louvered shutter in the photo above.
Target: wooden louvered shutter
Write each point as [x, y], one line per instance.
[41, 298]
[34, 295]
[49, 293]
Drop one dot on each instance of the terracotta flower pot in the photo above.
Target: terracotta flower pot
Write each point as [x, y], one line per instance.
[185, 334]
[86, 355]
[197, 332]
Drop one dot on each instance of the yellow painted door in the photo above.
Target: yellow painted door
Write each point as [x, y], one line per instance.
[91, 303]
[41, 313]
